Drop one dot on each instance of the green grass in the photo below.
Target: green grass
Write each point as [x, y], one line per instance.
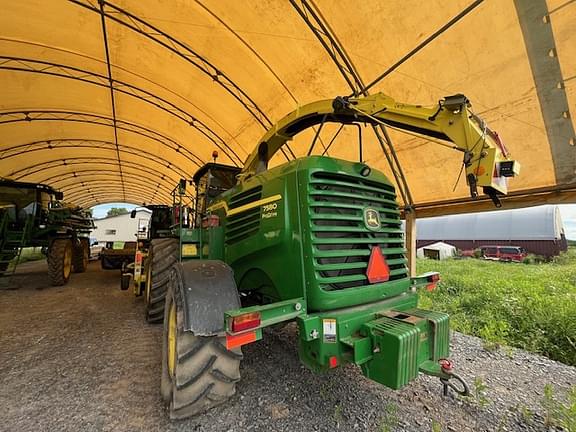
[530, 306]
[31, 254]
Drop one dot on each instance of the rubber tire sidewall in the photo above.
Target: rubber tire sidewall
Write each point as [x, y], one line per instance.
[228, 361]
[81, 256]
[162, 255]
[56, 256]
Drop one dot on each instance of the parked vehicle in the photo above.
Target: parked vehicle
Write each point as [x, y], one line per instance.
[117, 254]
[34, 215]
[316, 240]
[95, 249]
[503, 253]
[136, 271]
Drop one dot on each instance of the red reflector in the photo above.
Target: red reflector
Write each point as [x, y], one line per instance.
[378, 270]
[333, 362]
[235, 341]
[245, 322]
[432, 281]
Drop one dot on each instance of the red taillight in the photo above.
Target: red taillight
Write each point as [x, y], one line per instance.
[245, 322]
[432, 281]
[333, 362]
[378, 270]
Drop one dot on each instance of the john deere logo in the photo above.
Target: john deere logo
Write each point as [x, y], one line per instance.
[371, 219]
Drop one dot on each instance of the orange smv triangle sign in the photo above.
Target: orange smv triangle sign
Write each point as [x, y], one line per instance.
[378, 270]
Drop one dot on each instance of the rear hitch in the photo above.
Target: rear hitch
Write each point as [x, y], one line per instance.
[444, 369]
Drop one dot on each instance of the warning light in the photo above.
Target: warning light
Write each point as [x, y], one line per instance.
[378, 270]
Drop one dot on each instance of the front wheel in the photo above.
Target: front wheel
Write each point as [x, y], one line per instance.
[60, 261]
[198, 372]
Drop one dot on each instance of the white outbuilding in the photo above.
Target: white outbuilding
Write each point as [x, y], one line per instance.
[437, 251]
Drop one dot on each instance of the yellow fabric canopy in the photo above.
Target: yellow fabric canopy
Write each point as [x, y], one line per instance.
[190, 77]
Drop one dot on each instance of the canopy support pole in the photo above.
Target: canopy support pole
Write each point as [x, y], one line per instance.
[112, 99]
[410, 215]
[423, 44]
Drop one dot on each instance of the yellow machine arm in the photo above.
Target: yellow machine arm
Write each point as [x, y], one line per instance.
[486, 160]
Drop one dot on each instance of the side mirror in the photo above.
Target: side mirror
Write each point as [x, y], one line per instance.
[133, 214]
[59, 195]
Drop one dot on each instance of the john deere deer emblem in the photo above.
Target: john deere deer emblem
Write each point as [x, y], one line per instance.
[371, 219]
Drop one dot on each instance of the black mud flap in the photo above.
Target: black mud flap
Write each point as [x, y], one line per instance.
[208, 289]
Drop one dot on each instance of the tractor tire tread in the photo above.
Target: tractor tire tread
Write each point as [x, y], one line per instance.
[206, 375]
[164, 253]
[55, 258]
[197, 376]
[80, 256]
[205, 372]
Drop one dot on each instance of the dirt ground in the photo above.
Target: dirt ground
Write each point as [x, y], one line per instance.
[82, 358]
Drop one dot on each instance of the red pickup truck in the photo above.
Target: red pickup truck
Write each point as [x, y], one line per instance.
[503, 253]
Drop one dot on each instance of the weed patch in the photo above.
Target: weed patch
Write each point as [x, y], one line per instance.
[529, 306]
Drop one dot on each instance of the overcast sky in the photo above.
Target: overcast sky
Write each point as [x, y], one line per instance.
[101, 210]
[569, 218]
[568, 212]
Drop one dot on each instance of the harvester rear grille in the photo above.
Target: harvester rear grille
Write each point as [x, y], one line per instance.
[246, 223]
[341, 241]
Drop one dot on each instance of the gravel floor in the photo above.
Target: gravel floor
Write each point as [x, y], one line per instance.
[81, 358]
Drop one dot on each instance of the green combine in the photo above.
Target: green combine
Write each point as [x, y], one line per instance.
[317, 241]
[33, 215]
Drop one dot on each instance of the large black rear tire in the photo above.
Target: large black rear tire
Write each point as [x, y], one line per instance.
[81, 256]
[198, 372]
[60, 261]
[163, 253]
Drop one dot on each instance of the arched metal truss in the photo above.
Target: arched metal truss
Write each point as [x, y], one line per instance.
[123, 69]
[36, 168]
[82, 181]
[151, 187]
[55, 69]
[76, 143]
[84, 176]
[321, 29]
[142, 27]
[112, 97]
[89, 201]
[266, 64]
[107, 194]
[142, 187]
[101, 120]
[161, 182]
[106, 191]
